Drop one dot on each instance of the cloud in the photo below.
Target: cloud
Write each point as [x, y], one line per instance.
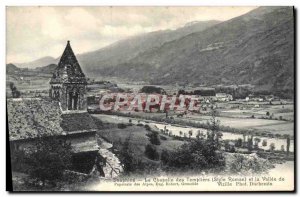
[34, 32]
[79, 20]
[121, 31]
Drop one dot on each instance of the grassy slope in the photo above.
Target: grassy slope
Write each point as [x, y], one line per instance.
[138, 139]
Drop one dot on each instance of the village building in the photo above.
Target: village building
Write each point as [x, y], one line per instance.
[223, 97]
[63, 115]
[205, 92]
[259, 98]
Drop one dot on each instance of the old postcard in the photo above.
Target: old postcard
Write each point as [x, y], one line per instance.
[175, 99]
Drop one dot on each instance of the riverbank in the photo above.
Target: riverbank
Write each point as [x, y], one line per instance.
[176, 129]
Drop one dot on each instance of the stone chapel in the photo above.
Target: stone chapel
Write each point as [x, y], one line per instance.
[68, 83]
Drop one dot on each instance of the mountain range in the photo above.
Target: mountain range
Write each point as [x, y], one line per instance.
[44, 61]
[256, 48]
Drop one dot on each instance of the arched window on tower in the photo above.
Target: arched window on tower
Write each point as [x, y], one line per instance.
[73, 100]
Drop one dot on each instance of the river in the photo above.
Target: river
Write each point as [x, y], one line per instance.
[185, 130]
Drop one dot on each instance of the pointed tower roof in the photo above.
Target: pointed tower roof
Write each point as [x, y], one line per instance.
[68, 69]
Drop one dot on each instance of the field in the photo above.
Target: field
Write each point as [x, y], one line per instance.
[276, 118]
[243, 123]
[260, 125]
[247, 109]
[28, 84]
[185, 130]
[137, 136]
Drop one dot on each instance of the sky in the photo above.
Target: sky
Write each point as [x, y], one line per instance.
[35, 32]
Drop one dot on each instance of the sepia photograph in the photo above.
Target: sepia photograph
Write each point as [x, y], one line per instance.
[150, 98]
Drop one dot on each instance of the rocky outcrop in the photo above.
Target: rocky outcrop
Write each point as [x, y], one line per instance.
[113, 165]
[109, 163]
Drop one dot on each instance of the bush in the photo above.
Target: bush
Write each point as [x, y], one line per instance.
[126, 157]
[190, 133]
[165, 156]
[239, 142]
[195, 155]
[48, 159]
[132, 163]
[154, 138]
[264, 142]
[147, 127]
[122, 126]
[256, 142]
[18, 160]
[14, 91]
[151, 152]
[272, 147]
[228, 147]
[248, 164]
[163, 138]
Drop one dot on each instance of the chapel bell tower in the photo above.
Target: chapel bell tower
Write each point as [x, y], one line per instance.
[68, 83]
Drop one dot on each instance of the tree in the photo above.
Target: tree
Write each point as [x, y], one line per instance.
[184, 135]
[14, 91]
[195, 155]
[126, 156]
[244, 139]
[165, 156]
[250, 142]
[277, 135]
[272, 147]
[214, 127]
[288, 143]
[122, 125]
[239, 142]
[18, 158]
[151, 152]
[229, 147]
[154, 138]
[264, 142]
[198, 134]
[131, 162]
[190, 133]
[48, 159]
[256, 141]
[180, 133]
